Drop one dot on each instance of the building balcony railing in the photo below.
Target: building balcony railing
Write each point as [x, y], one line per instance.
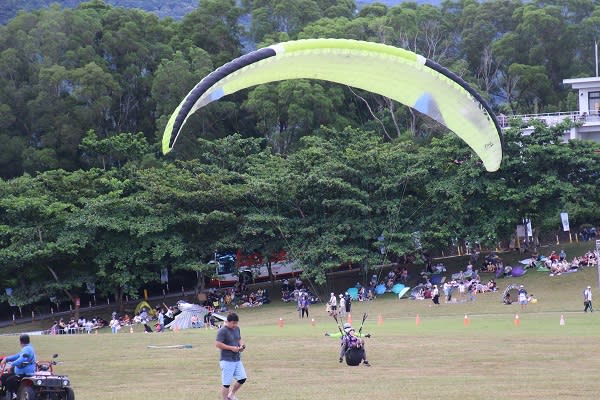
[592, 116]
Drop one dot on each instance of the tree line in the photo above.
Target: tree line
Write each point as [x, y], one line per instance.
[162, 8]
[332, 174]
[344, 196]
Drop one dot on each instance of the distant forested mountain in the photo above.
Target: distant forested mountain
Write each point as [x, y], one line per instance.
[163, 8]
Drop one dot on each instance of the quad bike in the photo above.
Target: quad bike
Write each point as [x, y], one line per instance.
[42, 385]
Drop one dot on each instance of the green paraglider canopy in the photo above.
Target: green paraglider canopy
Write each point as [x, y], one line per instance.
[399, 74]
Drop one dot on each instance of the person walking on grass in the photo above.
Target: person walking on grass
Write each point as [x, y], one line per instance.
[299, 305]
[305, 305]
[229, 341]
[333, 304]
[587, 299]
[435, 295]
[342, 306]
[348, 302]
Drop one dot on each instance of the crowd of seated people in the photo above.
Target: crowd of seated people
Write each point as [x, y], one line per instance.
[560, 264]
[288, 293]
[588, 233]
[125, 320]
[393, 277]
[72, 326]
[492, 263]
[461, 288]
[253, 298]
[397, 275]
[365, 293]
[468, 274]
[219, 300]
[222, 300]
[557, 262]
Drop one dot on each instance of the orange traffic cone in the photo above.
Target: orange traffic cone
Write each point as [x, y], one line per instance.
[562, 320]
[418, 320]
[281, 322]
[466, 321]
[517, 320]
[349, 319]
[379, 320]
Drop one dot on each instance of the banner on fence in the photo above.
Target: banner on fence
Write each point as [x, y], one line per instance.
[564, 217]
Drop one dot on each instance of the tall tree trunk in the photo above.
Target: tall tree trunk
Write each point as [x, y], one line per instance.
[57, 280]
[200, 283]
[119, 299]
[270, 270]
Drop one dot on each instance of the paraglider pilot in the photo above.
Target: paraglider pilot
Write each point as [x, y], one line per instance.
[353, 347]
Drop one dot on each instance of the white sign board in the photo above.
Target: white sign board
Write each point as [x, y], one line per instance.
[564, 217]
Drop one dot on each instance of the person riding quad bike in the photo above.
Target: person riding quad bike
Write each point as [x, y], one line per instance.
[25, 378]
[22, 364]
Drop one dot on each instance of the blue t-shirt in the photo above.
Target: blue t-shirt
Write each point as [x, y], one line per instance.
[230, 337]
[24, 361]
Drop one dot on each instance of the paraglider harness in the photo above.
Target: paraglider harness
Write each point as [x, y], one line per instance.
[354, 353]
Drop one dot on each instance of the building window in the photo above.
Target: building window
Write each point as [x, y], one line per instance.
[594, 102]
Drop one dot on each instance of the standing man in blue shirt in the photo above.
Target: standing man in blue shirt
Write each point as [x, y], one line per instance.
[23, 364]
[229, 341]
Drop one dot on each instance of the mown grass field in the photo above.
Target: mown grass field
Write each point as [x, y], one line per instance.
[441, 358]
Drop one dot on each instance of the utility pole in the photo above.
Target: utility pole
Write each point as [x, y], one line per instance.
[598, 260]
[596, 55]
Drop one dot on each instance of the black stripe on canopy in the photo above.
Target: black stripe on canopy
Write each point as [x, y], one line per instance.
[451, 75]
[213, 78]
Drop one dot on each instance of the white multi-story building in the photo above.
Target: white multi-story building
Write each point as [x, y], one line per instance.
[588, 113]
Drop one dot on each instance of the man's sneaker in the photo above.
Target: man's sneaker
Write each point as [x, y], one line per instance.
[366, 363]
[232, 397]
[14, 396]
[341, 359]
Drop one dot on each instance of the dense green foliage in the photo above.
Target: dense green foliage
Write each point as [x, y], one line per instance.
[318, 169]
